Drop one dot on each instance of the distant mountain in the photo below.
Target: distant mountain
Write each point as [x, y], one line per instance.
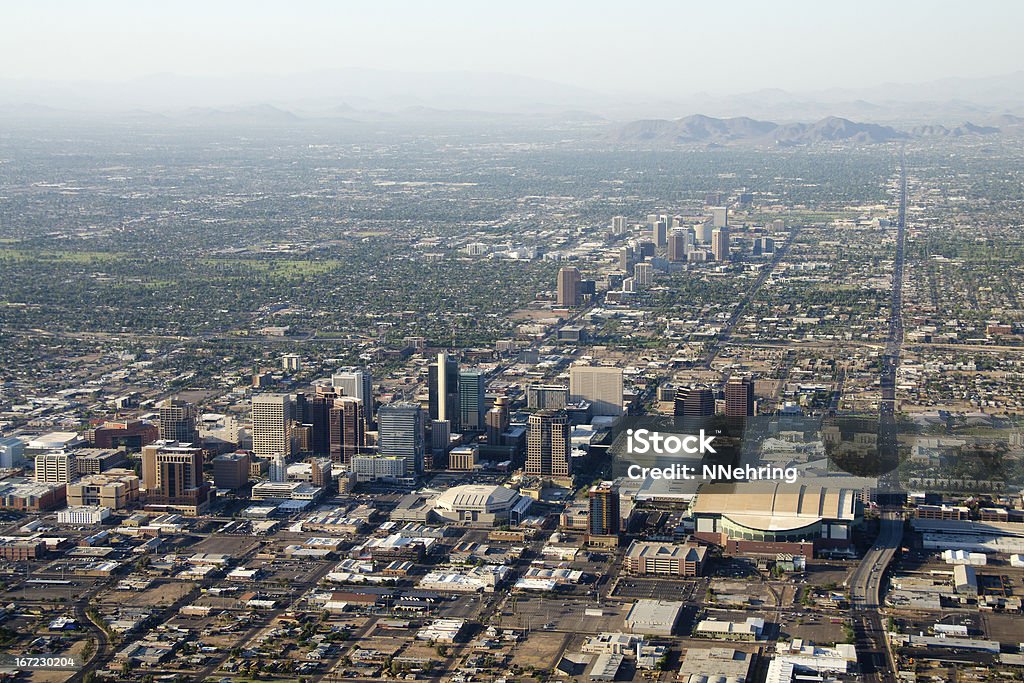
[706, 129]
[259, 113]
[966, 128]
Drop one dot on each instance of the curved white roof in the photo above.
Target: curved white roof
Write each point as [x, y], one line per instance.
[477, 497]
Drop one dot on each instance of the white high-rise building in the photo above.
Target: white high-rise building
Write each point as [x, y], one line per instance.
[56, 468]
[720, 216]
[601, 386]
[619, 225]
[272, 416]
[643, 274]
[12, 452]
[358, 383]
[278, 468]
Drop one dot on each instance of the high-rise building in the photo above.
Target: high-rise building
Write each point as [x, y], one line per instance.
[12, 452]
[358, 383]
[443, 387]
[471, 401]
[599, 386]
[720, 244]
[720, 216]
[177, 421]
[272, 416]
[618, 225]
[546, 396]
[568, 286]
[231, 470]
[316, 412]
[497, 421]
[56, 468]
[643, 274]
[677, 246]
[694, 402]
[626, 259]
[739, 397]
[132, 434]
[400, 434]
[172, 474]
[659, 234]
[291, 362]
[548, 446]
[347, 426]
[703, 231]
[604, 509]
[278, 471]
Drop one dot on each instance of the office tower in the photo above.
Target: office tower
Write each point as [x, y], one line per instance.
[316, 413]
[766, 245]
[347, 426]
[778, 225]
[739, 397]
[278, 468]
[646, 250]
[497, 421]
[177, 421]
[618, 225]
[291, 362]
[720, 244]
[659, 234]
[568, 286]
[463, 458]
[626, 258]
[12, 452]
[604, 509]
[272, 425]
[745, 198]
[320, 472]
[547, 444]
[56, 468]
[358, 383]
[546, 396]
[172, 474]
[400, 434]
[643, 274]
[652, 218]
[443, 386]
[440, 440]
[713, 198]
[703, 231]
[587, 288]
[471, 400]
[629, 285]
[694, 402]
[677, 246]
[720, 216]
[599, 386]
[231, 470]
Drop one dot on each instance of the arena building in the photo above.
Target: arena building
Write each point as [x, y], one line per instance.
[768, 517]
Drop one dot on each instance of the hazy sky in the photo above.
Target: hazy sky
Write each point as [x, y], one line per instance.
[622, 46]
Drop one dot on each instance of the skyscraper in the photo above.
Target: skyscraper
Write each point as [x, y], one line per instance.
[643, 275]
[694, 402]
[443, 387]
[471, 400]
[272, 416]
[739, 397]
[618, 225]
[497, 421]
[358, 383]
[604, 509]
[677, 246]
[177, 421]
[720, 216]
[347, 429]
[720, 244]
[547, 444]
[12, 452]
[600, 386]
[400, 434]
[626, 259]
[568, 286]
[172, 474]
[659, 234]
[278, 468]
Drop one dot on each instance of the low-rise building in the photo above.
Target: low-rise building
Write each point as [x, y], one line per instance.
[665, 559]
